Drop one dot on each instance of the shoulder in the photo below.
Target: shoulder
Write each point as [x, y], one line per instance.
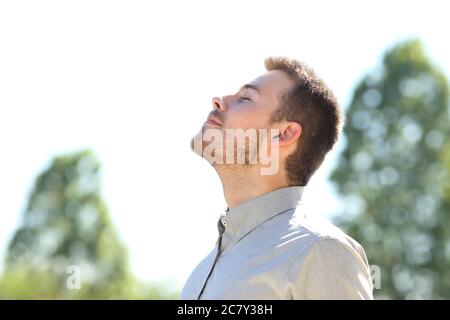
[322, 232]
[329, 263]
[295, 234]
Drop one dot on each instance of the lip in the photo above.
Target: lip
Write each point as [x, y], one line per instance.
[213, 121]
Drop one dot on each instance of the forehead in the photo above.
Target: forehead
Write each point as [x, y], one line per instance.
[272, 83]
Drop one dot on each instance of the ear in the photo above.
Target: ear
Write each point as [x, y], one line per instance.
[289, 133]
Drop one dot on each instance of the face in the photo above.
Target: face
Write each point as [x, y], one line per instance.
[249, 108]
[252, 105]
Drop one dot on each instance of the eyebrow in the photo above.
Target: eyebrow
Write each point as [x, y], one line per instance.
[250, 86]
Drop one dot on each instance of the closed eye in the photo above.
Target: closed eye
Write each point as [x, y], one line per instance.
[244, 98]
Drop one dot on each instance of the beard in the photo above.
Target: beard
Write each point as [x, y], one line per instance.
[224, 148]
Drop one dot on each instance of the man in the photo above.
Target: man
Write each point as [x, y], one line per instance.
[268, 246]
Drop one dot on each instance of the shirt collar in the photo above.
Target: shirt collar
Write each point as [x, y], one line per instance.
[247, 216]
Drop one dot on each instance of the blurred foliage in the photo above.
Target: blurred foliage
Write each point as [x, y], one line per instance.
[67, 224]
[393, 174]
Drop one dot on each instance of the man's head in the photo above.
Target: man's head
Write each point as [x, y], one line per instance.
[311, 104]
[290, 98]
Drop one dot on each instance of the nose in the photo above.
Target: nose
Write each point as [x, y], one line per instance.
[218, 104]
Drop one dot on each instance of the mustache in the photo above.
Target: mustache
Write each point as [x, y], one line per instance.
[218, 115]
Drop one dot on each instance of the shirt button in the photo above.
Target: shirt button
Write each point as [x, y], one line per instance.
[224, 222]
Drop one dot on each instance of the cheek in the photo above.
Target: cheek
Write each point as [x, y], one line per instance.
[245, 118]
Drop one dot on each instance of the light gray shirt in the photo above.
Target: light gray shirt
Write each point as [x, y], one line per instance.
[269, 248]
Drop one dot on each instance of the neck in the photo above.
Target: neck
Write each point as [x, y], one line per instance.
[242, 183]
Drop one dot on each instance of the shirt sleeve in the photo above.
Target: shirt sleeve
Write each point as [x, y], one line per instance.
[332, 269]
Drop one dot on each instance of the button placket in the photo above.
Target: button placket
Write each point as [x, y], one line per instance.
[223, 223]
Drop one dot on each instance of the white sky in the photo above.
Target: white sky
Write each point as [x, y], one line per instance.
[133, 80]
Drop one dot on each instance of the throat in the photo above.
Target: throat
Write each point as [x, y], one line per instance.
[242, 183]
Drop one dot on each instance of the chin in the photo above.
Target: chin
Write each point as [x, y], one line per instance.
[197, 144]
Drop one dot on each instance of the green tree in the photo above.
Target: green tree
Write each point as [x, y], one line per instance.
[392, 176]
[66, 224]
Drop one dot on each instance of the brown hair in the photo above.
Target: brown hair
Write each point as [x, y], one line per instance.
[312, 104]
